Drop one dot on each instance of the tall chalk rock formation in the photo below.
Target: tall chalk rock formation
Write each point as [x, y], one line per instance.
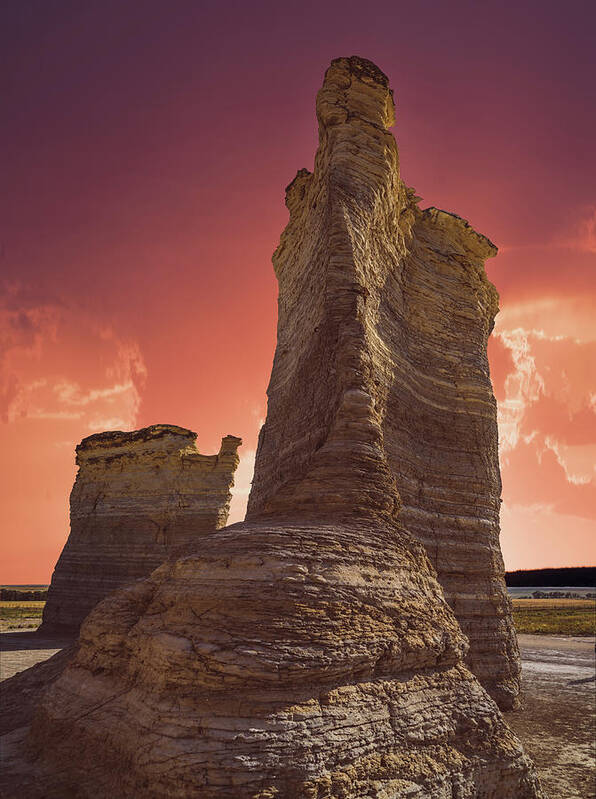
[308, 652]
[136, 497]
[380, 391]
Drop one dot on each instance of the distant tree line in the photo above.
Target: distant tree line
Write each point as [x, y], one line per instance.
[569, 575]
[14, 595]
[562, 595]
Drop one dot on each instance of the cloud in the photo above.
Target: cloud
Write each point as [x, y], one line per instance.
[520, 388]
[23, 329]
[554, 316]
[544, 386]
[99, 424]
[501, 365]
[58, 364]
[544, 383]
[578, 462]
[242, 485]
[533, 474]
[37, 413]
[555, 418]
[72, 394]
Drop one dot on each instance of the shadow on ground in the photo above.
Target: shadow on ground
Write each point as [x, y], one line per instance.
[27, 640]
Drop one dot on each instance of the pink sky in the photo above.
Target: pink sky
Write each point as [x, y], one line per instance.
[148, 153]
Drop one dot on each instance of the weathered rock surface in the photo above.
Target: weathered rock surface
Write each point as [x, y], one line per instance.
[137, 496]
[283, 660]
[308, 652]
[384, 316]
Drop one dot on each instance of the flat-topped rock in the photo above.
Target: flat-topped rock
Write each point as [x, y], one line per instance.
[136, 439]
[137, 497]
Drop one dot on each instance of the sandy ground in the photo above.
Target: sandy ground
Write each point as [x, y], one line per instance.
[557, 724]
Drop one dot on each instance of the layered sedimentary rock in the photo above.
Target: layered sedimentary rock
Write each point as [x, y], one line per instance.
[384, 305]
[137, 496]
[308, 652]
[440, 433]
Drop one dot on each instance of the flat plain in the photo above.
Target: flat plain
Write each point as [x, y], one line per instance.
[20, 615]
[533, 616]
[555, 616]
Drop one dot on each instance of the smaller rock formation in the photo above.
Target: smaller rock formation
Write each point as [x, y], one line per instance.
[137, 496]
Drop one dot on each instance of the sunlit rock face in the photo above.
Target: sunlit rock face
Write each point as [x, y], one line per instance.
[309, 651]
[380, 394]
[136, 497]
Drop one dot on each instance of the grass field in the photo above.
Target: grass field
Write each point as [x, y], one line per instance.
[555, 616]
[20, 615]
[537, 616]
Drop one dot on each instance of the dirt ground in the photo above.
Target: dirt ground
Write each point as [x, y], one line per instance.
[558, 722]
[557, 725]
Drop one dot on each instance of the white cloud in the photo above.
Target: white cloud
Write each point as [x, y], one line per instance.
[552, 318]
[39, 413]
[242, 484]
[522, 387]
[72, 394]
[578, 461]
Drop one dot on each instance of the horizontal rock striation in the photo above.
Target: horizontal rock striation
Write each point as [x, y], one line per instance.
[309, 651]
[137, 496]
[390, 307]
[282, 661]
[440, 432]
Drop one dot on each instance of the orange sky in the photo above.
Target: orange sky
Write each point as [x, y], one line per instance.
[147, 158]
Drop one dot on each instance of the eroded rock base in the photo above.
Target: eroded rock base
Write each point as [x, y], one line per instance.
[284, 661]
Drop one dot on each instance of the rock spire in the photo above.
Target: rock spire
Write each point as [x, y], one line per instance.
[309, 651]
[380, 400]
